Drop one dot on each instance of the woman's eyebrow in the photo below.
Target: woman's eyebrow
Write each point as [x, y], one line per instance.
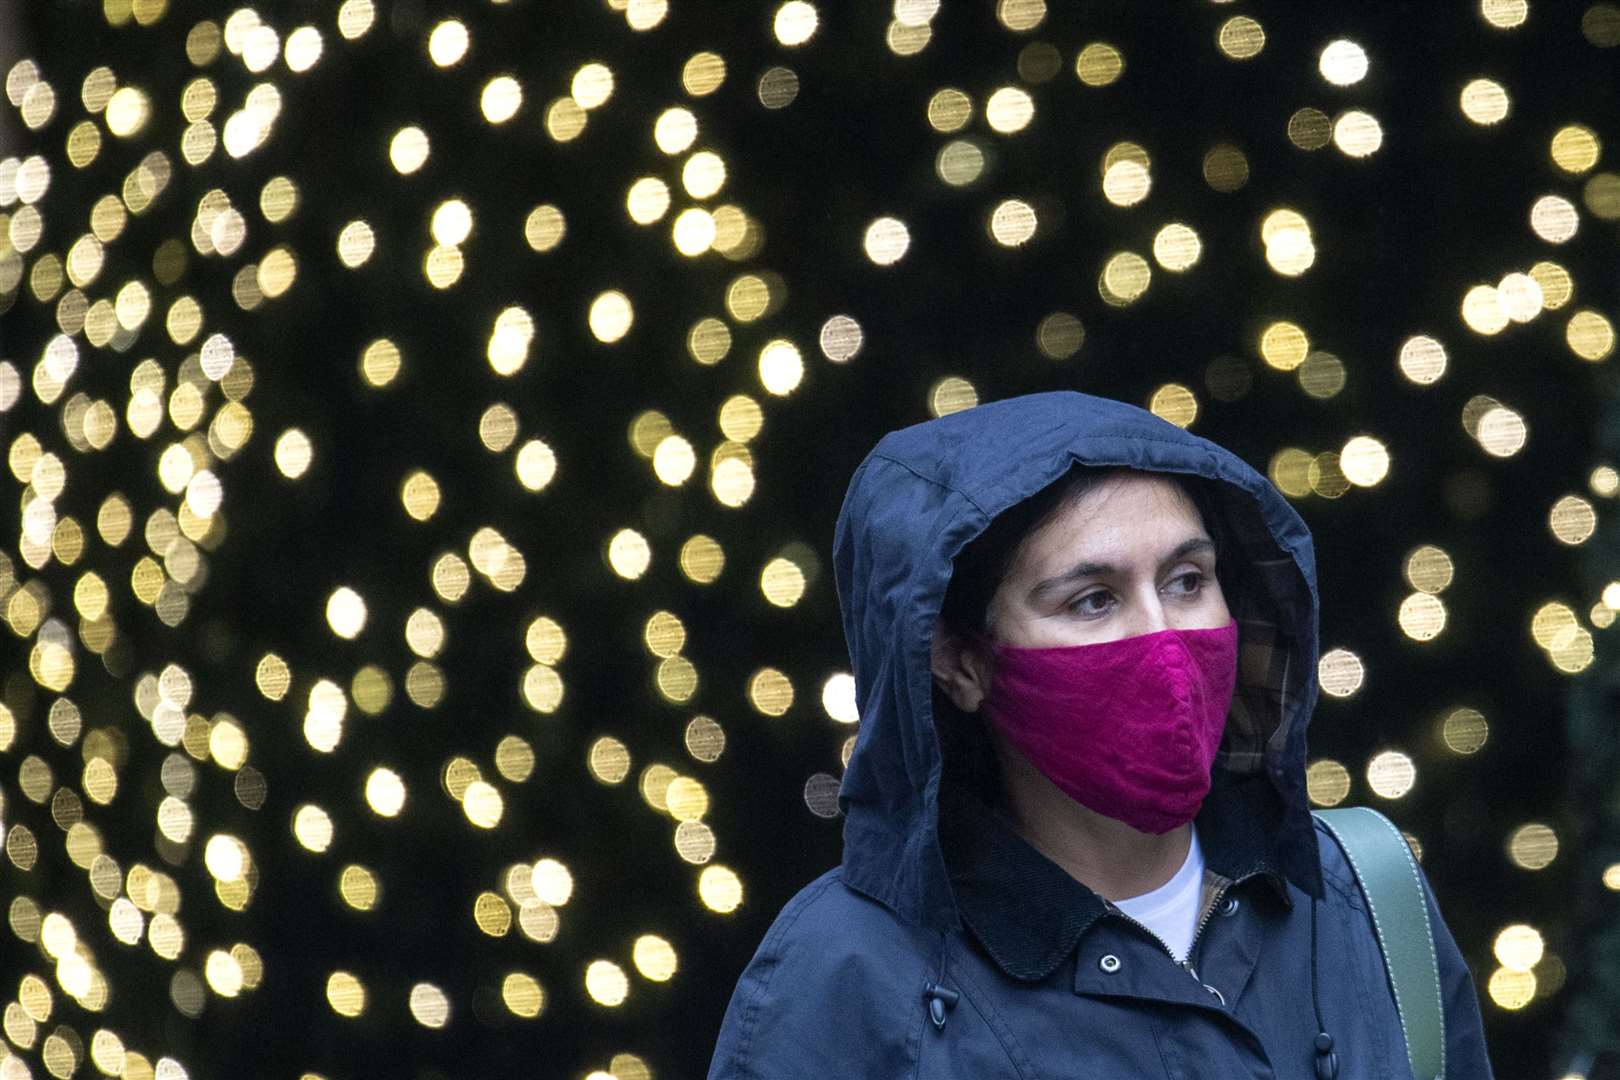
[1084, 570]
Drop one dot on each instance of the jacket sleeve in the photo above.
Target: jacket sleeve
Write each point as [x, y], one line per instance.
[1466, 1058]
[828, 994]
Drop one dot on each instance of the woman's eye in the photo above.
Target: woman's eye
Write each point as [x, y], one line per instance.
[1085, 605]
[1190, 583]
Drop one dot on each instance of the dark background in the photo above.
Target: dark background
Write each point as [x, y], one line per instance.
[1400, 237]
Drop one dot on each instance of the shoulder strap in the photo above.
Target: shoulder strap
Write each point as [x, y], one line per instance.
[1389, 879]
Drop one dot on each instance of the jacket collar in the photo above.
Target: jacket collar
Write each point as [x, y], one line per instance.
[1029, 914]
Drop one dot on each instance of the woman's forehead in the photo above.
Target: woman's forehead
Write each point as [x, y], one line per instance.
[1127, 516]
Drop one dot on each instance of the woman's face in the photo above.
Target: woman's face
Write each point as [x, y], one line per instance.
[1131, 556]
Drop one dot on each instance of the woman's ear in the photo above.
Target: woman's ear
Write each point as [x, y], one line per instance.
[959, 671]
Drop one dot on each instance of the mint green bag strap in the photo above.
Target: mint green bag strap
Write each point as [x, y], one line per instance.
[1389, 879]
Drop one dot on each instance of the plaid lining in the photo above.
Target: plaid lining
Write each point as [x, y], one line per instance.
[1267, 682]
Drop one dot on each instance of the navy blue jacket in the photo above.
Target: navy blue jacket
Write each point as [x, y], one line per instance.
[946, 946]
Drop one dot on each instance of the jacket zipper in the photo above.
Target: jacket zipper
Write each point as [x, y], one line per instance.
[1187, 964]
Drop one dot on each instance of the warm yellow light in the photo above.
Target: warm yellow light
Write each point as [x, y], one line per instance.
[447, 44]
[1225, 168]
[770, 692]
[1343, 62]
[655, 958]
[1573, 520]
[1290, 249]
[225, 857]
[1241, 38]
[1175, 403]
[674, 460]
[1484, 101]
[1284, 345]
[1358, 133]
[949, 110]
[782, 582]
[915, 12]
[1428, 569]
[609, 760]
[127, 111]
[1518, 947]
[1176, 247]
[482, 804]
[795, 23]
[643, 15]
[545, 227]
[886, 241]
[452, 222]
[1364, 460]
[838, 698]
[592, 85]
[1504, 14]
[1422, 616]
[675, 130]
[1482, 310]
[1501, 431]
[1012, 223]
[951, 394]
[312, 827]
[522, 995]
[1511, 989]
[629, 554]
[703, 73]
[781, 367]
[1533, 846]
[611, 316]
[693, 231]
[702, 559]
[1520, 297]
[501, 98]
[1099, 64]
[960, 162]
[606, 983]
[1590, 335]
[1009, 110]
[385, 792]
[1554, 219]
[1327, 782]
[356, 243]
[1464, 730]
[1126, 183]
[1557, 287]
[720, 889]
[345, 994]
[1340, 672]
[1391, 774]
[1124, 278]
[1575, 148]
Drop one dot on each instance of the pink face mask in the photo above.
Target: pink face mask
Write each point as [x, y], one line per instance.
[1128, 728]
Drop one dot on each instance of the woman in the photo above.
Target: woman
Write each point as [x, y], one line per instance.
[1077, 840]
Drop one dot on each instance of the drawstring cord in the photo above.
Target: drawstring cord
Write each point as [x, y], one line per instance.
[940, 998]
[1327, 1062]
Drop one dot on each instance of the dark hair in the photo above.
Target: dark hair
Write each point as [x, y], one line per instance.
[983, 564]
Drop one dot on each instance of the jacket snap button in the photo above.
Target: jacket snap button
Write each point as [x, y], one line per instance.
[1230, 907]
[1109, 963]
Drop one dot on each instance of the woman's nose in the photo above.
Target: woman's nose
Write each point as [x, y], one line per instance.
[1149, 614]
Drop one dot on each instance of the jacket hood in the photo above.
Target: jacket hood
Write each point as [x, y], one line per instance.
[926, 491]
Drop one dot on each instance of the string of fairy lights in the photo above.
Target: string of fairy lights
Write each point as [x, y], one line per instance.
[160, 231]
